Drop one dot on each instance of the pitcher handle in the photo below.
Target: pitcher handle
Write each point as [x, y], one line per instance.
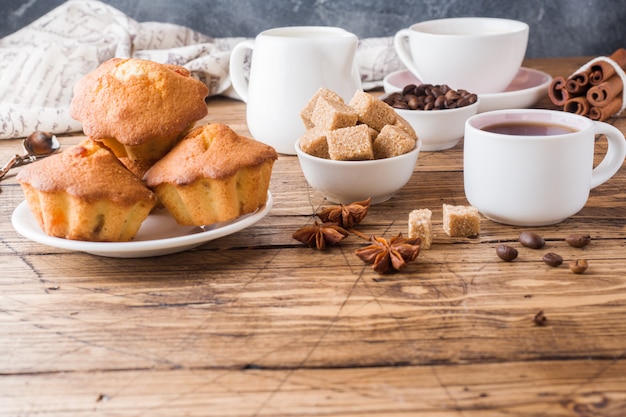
[237, 58]
[615, 154]
[402, 49]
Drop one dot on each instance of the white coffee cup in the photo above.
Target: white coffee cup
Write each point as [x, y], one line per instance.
[288, 66]
[533, 178]
[478, 54]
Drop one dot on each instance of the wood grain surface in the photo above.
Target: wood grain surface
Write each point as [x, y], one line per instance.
[256, 324]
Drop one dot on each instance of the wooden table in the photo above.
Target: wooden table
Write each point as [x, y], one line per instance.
[256, 324]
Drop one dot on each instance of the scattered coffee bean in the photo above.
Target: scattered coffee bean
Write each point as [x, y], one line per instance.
[578, 241]
[540, 318]
[531, 240]
[430, 97]
[506, 253]
[578, 266]
[553, 259]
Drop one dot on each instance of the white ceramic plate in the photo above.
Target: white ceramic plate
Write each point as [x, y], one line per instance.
[527, 88]
[158, 235]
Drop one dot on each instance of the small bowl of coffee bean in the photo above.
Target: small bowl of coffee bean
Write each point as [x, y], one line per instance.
[437, 113]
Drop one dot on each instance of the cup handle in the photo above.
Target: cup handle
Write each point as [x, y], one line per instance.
[237, 58]
[615, 154]
[400, 45]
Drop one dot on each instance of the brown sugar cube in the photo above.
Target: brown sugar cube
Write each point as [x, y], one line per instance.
[373, 134]
[307, 112]
[392, 141]
[420, 225]
[372, 111]
[403, 124]
[332, 114]
[350, 143]
[461, 221]
[314, 143]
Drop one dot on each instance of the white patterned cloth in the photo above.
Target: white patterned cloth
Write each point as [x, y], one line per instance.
[40, 63]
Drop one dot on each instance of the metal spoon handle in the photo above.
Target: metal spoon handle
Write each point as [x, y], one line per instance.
[17, 161]
[7, 167]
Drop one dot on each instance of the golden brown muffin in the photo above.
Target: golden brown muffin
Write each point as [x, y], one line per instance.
[86, 193]
[138, 108]
[212, 175]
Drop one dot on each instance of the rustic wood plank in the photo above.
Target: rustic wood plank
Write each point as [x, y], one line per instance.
[549, 388]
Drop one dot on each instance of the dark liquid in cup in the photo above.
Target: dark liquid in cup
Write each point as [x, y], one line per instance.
[528, 129]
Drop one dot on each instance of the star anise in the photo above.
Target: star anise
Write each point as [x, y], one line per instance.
[321, 235]
[389, 256]
[345, 215]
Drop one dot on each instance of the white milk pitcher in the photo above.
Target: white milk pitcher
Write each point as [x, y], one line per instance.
[288, 66]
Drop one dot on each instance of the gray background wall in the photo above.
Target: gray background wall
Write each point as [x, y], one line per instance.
[557, 27]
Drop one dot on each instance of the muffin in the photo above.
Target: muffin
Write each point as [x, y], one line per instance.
[212, 175]
[86, 193]
[138, 108]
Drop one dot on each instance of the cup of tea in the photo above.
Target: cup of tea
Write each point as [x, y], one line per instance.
[531, 167]
[478, 54]
[287, 67]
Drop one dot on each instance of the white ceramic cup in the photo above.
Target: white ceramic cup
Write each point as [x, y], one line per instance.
[535, 179]
[478, 54]
[288, 66]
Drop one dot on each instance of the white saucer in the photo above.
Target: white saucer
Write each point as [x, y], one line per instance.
[158, 235]
[527, 88]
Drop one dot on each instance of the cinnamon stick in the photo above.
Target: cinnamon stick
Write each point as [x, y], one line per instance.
[602, 94]
[578, 83]
[605, 97]
[578, 105]
[557, 92]
[596, 92]
[602, 70]
[603, 113]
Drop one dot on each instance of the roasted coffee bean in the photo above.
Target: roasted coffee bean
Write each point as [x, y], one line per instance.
[463, 102]
[403, 105]
[578, 241]
[506, 253]
[540, 318]
[408, 90]
[531, 240]
[452, 95]
[430, 97]
[553, 259]
[578, 266]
